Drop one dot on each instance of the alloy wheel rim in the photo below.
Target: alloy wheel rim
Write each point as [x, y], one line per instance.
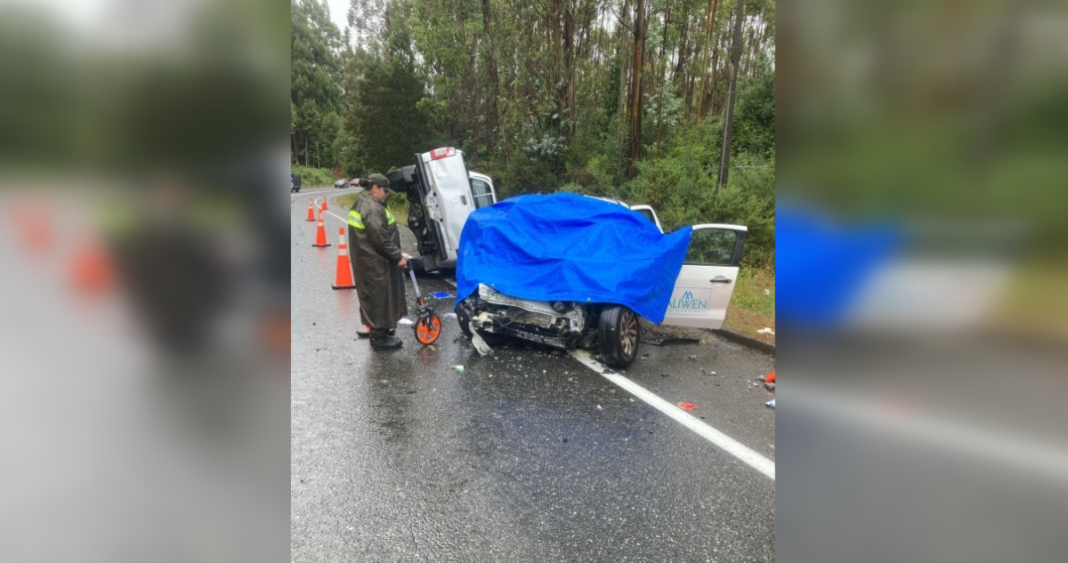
[628, 333]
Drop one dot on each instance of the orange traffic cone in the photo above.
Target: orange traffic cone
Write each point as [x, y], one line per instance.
[91, 270]
[343, 279]
[769, 378]
[323, 206]
[320, 234]
[311, 210]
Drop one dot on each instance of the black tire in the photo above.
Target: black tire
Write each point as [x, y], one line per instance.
[396, 178]
[463, 319]
[618, 333]
[401, 178]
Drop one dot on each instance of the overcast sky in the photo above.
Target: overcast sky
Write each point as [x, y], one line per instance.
[337, 12]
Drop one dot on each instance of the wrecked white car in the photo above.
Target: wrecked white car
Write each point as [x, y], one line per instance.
[577, 273]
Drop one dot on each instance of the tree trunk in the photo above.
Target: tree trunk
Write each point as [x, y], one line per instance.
[622, 111]
[634, 152]
[569, 74]
[704, 60]
[684, 47]
[663, 75]
[736, 50]
[715, 79]
[491, 79]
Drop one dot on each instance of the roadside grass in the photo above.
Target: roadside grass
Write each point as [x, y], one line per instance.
[752, 308]
[1035, 303]
[313, 177]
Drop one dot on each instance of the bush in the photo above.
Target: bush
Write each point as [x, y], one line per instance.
[314, 176]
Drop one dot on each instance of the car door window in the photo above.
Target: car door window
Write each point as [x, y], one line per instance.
[482, 192]
[713, 247]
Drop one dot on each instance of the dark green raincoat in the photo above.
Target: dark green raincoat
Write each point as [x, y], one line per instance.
[374, 240]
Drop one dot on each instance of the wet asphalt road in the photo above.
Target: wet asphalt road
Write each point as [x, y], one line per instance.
[523, 456]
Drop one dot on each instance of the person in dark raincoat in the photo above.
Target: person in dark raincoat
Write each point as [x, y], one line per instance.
[376, 263]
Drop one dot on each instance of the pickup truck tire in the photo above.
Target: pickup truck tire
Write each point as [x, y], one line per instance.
[618, 335]
[401, 178]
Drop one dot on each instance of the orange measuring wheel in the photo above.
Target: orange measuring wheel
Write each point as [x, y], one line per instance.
[428, 329]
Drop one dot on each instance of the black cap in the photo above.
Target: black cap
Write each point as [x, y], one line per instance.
[378, 180]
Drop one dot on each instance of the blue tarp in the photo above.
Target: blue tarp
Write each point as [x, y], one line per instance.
[566, 247]
[822, 265]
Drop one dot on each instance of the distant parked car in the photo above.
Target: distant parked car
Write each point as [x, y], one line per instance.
[294, 183]
[341, 183]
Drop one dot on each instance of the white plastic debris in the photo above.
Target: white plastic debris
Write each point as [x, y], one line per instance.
[450, 315]
[766, 330]
[770, 403]
[458, 368]
[600, 408]
[767, 292]
[405, 321]
[480, 344]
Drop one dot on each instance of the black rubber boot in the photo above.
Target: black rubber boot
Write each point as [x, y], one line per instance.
[386, 343]
[365, 331]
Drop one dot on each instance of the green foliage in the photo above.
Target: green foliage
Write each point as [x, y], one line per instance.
[754, 119]
[496, 79]
[390, 126]
[310, 177]
[315, 75]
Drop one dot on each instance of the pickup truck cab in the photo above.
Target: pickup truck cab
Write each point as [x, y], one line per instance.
[441, 194]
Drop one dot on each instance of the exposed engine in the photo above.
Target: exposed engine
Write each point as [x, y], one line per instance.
[561, 324]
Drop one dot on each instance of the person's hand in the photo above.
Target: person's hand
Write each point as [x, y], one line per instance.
[403, 262]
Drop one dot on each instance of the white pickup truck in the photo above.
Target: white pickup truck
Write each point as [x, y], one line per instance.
[441, 194]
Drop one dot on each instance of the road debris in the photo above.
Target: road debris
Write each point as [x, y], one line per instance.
[766, 330]
[480, 344]
[440, 295]
[668, 341]
[405, 321]
[458, 368]
[450, 315]
[687, 405]
[770, 403]
[600, 408]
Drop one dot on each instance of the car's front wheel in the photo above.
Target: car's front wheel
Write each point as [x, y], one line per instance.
[618, 334]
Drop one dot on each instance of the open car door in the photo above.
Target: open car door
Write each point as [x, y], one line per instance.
[705, 283]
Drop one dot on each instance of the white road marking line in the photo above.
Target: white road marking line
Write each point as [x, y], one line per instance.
[342, 219]
[1006, 448]
[719, 439]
